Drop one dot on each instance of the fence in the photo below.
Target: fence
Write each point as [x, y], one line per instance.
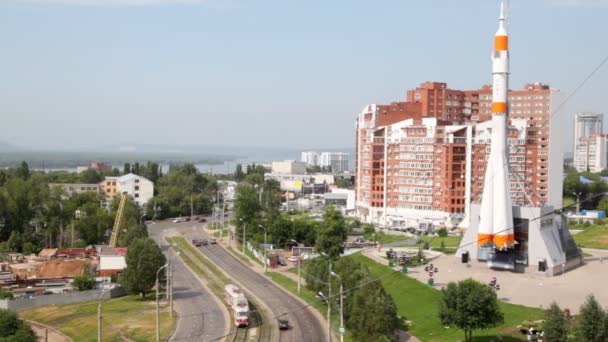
[59, 299]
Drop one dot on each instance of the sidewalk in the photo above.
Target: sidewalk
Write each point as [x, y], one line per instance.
[52, 335]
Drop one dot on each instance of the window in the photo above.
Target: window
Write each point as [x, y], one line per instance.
[136, 195]
[136, 180]
[137, 187]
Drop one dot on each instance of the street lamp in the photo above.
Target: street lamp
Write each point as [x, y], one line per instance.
[299, 267]
[322, 296]
[578, 203]
[244, 228]
[157, 305]
[99, 315]
[341, 307]
[265, 247]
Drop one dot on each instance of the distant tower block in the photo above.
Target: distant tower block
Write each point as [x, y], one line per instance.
[500, 234]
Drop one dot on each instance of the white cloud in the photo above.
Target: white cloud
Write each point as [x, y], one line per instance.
[577, 3]
[114, 3]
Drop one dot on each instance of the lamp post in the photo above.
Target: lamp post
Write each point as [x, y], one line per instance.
[157, 305]
[578, 203]
[299, 268]
[265, 247]
[322, 296]
[431, 270]
[341, 307]
[99, 315]
[244, 228]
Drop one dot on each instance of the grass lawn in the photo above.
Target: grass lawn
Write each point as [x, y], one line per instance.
[126, 318]
[595, 236]
[419, 303]
[310, 298]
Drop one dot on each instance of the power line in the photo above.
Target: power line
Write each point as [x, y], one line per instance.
[561, 105]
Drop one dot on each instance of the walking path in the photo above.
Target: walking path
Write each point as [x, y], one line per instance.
[48, 334]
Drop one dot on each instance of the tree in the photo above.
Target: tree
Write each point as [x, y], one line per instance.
[442, 232]
[603, 205]
[6, 294]
[469, 305]
[332, 233]
[84, 282]
[591, 322]
[143, 259]
[23, 171]
[127, 168]
[373, 314]
[12, 329]
[556, 325]
[90, 176]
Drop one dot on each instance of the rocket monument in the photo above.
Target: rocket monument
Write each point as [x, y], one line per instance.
[496, 217]
[518, 238]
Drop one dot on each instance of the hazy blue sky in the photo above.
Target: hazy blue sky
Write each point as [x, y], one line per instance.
[247, 72]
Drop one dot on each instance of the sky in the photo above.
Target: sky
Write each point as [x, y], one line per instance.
[268, 72]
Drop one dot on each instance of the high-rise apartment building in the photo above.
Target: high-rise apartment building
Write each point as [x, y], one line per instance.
[311, 158]
[423, 161]
[589, 154]
[338, 162]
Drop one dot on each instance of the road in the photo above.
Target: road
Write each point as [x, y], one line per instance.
[201, 317]
[304, 324]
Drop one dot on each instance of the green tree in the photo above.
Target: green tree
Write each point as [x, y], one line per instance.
[6, 294]
[247, 210]
[12, 329]
[442, 232]
[373, 313]
[591, 322]
[127, 168]
[603, 205]
[23, 171]
[84, 282]
[143, 259]
[469, 305]
[556, 325]
[332, 233]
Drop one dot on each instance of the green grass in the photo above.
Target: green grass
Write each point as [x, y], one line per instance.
[435, 241]
[216, 280]
[309, 297]
[419, 303]
[239, 255]
[126, 318]
[595, 236]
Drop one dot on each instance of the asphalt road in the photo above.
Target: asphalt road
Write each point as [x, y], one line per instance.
[304, 324]
[200, 315]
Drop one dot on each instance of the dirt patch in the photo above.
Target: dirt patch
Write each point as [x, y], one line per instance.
[56, 268]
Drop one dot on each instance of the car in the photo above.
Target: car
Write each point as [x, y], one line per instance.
[283, 324]
[196, 243]
[202, 219]
[294, 259]
[212, 241]
[187, 219]
[177, 220]
[204, 242]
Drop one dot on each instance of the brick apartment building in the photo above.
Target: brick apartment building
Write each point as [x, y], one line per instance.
[423, 161]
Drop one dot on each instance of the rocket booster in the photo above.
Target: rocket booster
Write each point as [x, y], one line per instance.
[496, 216]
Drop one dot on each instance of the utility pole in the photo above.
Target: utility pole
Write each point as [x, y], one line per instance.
[299, 272]
[72, 245]
[99, 321]
[244, 228]
[191, 207]
[341, 313]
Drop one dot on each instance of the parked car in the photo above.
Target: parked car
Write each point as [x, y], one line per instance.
[202, 219]
[187, 219]
[283, 324]
[212, 241]
[294, 259]
[196, 243]
[204, 242]
[177, 220]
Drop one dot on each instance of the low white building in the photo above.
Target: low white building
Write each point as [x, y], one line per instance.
[138, 187]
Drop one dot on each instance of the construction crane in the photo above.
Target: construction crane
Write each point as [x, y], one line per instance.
[118, 220]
